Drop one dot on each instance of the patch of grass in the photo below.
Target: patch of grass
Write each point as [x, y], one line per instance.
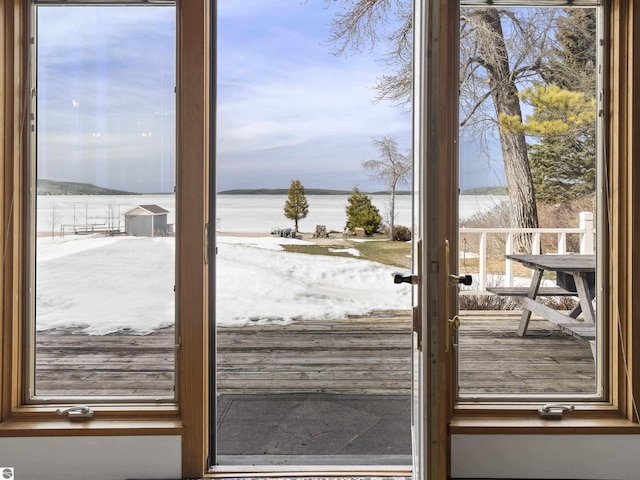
[316, 250]
[396, 254]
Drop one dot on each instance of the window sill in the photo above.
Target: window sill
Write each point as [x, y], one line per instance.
[91, 427]
[536, 425]
[109, 419]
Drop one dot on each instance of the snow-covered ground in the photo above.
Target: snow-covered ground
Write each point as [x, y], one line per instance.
[103, 285]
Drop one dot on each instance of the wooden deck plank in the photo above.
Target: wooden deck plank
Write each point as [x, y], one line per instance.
[360, 355]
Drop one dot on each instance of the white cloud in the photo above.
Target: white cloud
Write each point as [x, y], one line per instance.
[282, 88]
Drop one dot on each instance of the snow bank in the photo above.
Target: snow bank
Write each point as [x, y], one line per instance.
[105, 285]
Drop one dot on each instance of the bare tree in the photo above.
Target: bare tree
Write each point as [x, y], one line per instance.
[501, 51]
[392, 168]
[363, 24]
[496, 58]
[113, 218]
[55, 218]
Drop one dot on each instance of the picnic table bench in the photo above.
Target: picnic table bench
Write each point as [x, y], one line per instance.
[575, 276]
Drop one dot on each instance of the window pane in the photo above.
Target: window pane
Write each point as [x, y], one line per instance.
[103, 308]
[528, 173]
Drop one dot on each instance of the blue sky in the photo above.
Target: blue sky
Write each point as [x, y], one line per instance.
[287, 108]
[106, 103]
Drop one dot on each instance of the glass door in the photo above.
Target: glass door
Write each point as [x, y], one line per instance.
[312, 336]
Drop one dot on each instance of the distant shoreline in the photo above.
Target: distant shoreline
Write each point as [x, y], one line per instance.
[60, 187]
[323, 191]
[307, 191]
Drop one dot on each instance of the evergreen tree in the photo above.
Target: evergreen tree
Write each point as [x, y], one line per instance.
[361, 213]
[563, 163]
[572, 62]
[296, 207]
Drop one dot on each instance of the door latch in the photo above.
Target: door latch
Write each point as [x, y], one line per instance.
[77, 411]
[554, 411]
[417, 326]
[452, 326]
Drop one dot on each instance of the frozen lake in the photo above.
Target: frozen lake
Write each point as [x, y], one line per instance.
[102, 285]
[234, 213]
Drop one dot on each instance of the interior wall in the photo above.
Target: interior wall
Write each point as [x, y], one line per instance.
[93, 458]
[578, 457]
[582, 457]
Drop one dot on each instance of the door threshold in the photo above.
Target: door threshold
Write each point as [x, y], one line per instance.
[312, 465]
[368, 461]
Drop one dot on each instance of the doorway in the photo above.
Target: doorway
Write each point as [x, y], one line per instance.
[312, 337]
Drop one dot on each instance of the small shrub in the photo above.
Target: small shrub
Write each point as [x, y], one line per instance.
[560, 303]
[565, 215]
[485, 302]
[401, 233]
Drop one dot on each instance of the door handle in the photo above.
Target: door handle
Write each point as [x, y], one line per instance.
[399, 278]
[460, 279]
[452, 323]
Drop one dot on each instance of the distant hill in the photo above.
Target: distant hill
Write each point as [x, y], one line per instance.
[56, 187]
[485, 191]
[307, 191]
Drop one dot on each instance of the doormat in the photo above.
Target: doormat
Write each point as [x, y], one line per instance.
[314, 424]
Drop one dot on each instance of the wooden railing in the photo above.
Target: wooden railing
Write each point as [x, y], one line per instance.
[585, 231]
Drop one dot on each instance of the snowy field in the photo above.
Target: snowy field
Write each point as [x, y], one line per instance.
[106, 285]
[102, 285]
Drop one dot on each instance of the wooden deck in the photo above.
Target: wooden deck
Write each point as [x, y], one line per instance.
[364, 355]
[547, 360]
[71, 364]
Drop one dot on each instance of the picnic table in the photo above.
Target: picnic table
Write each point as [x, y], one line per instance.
[575, 276]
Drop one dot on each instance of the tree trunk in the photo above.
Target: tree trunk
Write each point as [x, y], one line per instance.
[392, 210]
[504, 94]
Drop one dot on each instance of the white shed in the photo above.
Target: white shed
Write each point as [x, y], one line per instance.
[146, 221]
